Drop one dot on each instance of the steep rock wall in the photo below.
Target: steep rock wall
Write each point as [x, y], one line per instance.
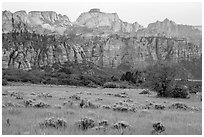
[112, 51]
[36, 20]
[96, 19]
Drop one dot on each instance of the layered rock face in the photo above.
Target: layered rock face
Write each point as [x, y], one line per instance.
[113, 51]
[96, 19]
[135, 52]
[36, 19]
[134, 46]
[170, 29]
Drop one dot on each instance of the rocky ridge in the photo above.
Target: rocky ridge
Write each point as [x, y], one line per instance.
[96, 19]
[36, 20]
[170, 29]
[97, 37]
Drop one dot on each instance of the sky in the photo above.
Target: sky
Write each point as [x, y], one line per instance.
[129, 11]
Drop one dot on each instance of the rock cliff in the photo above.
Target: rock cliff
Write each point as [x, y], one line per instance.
[169, 28]
[36, 20]
[111, 21]
[112, 51]
[97, 37]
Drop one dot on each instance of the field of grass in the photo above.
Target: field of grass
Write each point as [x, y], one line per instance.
[25, 120]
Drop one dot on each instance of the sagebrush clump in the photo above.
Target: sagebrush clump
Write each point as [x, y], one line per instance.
[158, 128]
[121, 126]
[124, 107]
[53, 123]
[85, 123]
[179, 105]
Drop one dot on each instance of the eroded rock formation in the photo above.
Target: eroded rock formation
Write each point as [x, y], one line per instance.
[110, 21]
[43, 38]
[36, 20]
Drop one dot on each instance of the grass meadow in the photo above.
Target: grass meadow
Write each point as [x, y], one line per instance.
[25, 120]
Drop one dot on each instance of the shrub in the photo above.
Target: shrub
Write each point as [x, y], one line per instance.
[28, 102]
[180, 91]
[157, 106]
[161, 78]
[121, 126]
[98, 80]
[45, 95]
[106, 107]
[128, 76]
[103, 123]
[31, 103]
[75, 97]
[85, 123]
[121, 95]
[134, 77]
[18, 75]
[53, 123]
[194, 67]
[145, 91]
[74, 79]
[56, 76]
[51, 81]
[87, 104]
[158, 128]
[4, 82]
[111, 85]
[113, 78]
[179, 105]
[59, 75]
[11, 74]
[41, 105]
[65, 70]
[194, 86]
[123, 107]
[92, 85]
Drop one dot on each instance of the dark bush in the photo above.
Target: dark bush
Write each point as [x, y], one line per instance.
[4, 82]
[11, 74]
[85, 80]
[59, 75]
[180, 91]
[194, 66]
[53, 123]
[74, 82]
[55, 76]
[194, 86]
[158, 128]
[53, 81]
[113, 78]
[128, 76]
[133, 77]
[17, 75]
[85, 123]
[161, 78]
[92, 85]
[65, 70]
[98, 80]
